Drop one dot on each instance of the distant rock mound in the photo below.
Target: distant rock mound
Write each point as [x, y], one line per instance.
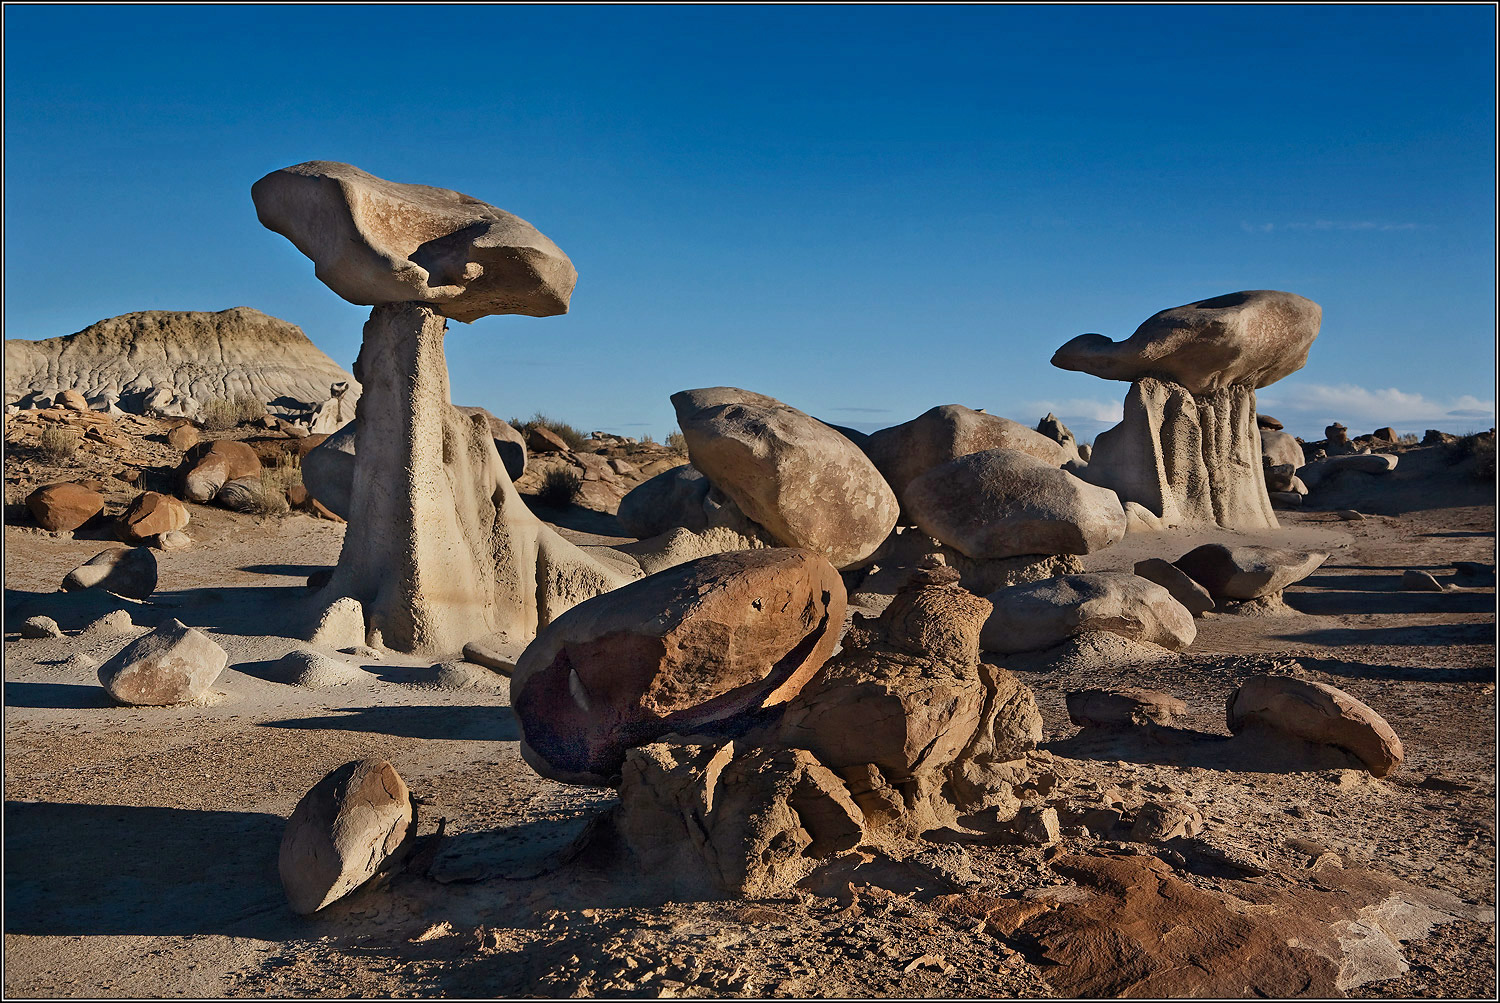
[200, 355]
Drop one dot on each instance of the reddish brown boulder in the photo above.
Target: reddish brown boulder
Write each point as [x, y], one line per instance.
[209, 466]
[151, 514]
[1317, 713]
[183, 437]
[540, 439]
[700, 647]
[61, 507]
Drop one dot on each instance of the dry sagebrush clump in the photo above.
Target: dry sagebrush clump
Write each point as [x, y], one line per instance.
[58, 444]
[559, 489]
[219, 413]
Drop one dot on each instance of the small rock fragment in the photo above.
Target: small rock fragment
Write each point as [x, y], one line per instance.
[1419, 581]
[39, 627]
[1119, 708]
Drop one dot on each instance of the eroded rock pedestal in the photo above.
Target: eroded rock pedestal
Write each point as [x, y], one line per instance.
[1188, 451]
[440, 548]
[1189, 459]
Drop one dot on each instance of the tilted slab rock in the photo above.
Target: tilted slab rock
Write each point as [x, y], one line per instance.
[173, 664]
[1319, 471]
[1040, 614]
[904, 452]
[1122, 708]
[703, 645]
[1003, 503]
[59, 507]
[804, 482]
[342, 832]
[739, 822]
[1317, 713]
[1246, 572]
[125, 571]
[1194, 597]
[1251, 338]
[377, 242]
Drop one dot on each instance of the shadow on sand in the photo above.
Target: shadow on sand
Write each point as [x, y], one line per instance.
[458, 722]
[1252, 751]
[75, 869]
[61, 696]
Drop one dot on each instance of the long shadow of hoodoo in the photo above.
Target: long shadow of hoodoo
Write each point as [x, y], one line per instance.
[116, 869]
[464, 723]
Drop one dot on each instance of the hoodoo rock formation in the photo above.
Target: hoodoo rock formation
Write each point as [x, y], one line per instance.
[440, 548]
[1189, 447]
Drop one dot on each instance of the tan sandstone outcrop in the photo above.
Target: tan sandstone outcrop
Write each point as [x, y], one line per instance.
[703, 645]
[804, 482]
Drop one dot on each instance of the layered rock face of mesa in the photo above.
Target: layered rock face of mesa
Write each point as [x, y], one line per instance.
[198, 355]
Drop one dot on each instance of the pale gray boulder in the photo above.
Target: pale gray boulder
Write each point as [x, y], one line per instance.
[125, 571]
[904, 452]
[378, 242]
[1247, 572]
[343, 831]
[670, 500]
[173, 664]
[1278, 448]
[1041, 614]
[1002, 503]
[38, 627]
[804, 482]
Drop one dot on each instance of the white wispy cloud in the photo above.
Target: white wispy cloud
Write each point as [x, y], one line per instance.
[1329, 224]
[1077, 408]
[1311, 406]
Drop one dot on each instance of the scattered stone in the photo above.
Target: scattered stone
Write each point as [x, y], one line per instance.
[115, 622]
[1033, 825]
[705, 644]
[1123, 708]
[1318, 471]
[457, 674]
[1419, 581]
[343, 831]
[1349, 515]
[149, 515]
[174, 539]
[240, 495]
[124, 571]
[1156, 822]
[173, 664]
[37, 627]
[486, 652]
[1003, 503]
[1286, 499]
[541, 439]
[207, 467]
[808, 485]
[1316, 713]
[71, 400]
[1190, 594]
[340, 624]
[64, 507]
[1042, 614]
[906, 451]
[312, 670]
[1247, 572]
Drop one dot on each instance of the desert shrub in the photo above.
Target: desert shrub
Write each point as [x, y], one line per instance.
[58, 444]
[275, 479]
[677, 443]
[559, 488]
[1484, 457]
[1409, 439]
[218, 414]
[567, 433]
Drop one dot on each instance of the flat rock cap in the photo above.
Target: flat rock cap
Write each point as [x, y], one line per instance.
[1252, 338]
[374, 241]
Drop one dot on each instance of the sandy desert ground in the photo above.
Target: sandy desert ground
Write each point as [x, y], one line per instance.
[140, 843]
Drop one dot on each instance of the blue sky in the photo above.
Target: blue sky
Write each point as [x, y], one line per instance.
[865, 212]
